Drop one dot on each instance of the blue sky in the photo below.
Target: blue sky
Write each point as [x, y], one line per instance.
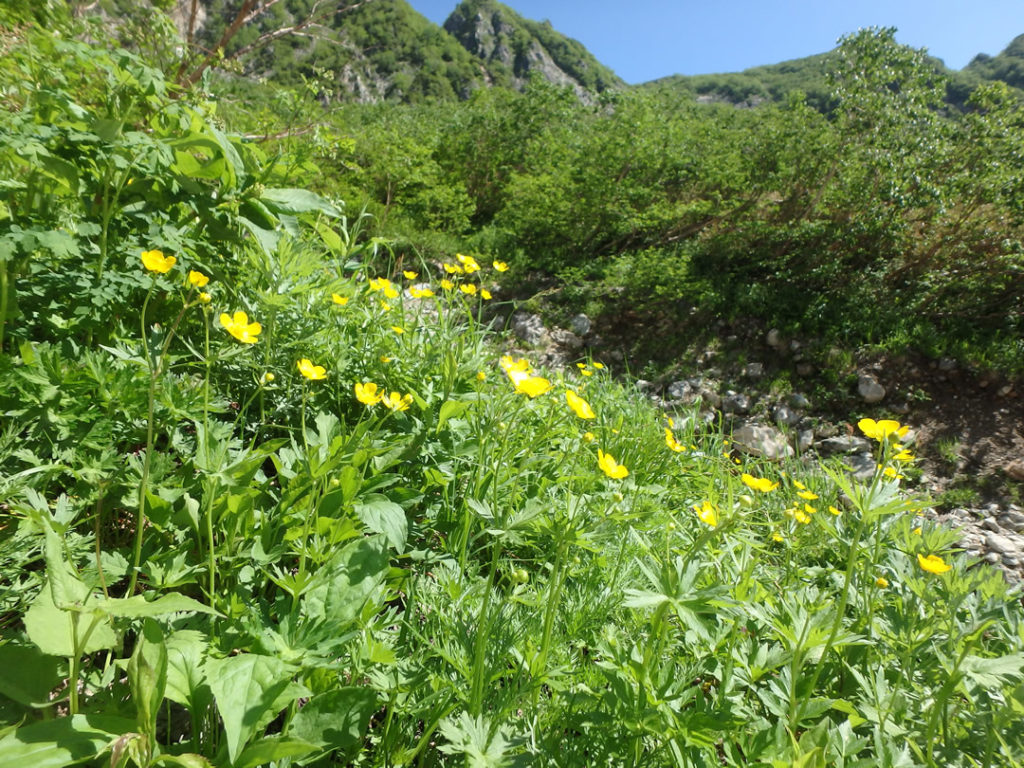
[645, 39]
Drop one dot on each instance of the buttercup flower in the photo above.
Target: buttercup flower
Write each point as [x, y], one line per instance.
[238, 325]
[452, 269]
[366, 393]
[468, 288]
[610, 467]
[197, 279]
[904, 456]
[882, 582]
[532, 386]
[447, 285]
[485, 294]
[379, 284]
[834, 511]
[762, 484]
[398, 329]
[880, 430]
[932, 563]
[500, 266]
[584, 369]
[420, 293]
[310, 371]
[579, 406]
[397, 402]
[481, 376]
[205, 298]
[155, 261]
[707, 513]
[892, 474]
[589, 437]
[809, 495]
[799, 515]
[468, 263]
[338, 299]
[409, 275]
[671, 442]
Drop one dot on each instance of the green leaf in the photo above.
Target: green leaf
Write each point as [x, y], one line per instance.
[51, 629]
[284, 200]
[186, 650]
[138, 607]
[271, 749]
[147, 676]
[26, 674]
[250, 691]
[381, 515]
[450, 409]
[336, 720]
[346, 582]
[61, 742]
[994, 673]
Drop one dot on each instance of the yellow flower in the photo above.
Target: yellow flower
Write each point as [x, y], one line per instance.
[398, 329]
[468, 288]
[268, 377]
[379, 284]
[390, 292]
[834, 511]
[589, 437]
[452, 269]
[610, 467]
[880, 430]
[809, 509]
[501, 266]
[799, 515]
[468, 263]
[386, 359]
[532, 386]
[809, 495]
[932, 563]
[579, 406]
[397, 402]
[420, 293]
[891, 473]
[310, 371]
[205, 298]
[410, 275]
[447, 285]
[339, 299]
[366, 393]
[762, 484]
[240, 327]
[671, 442]
[197, 279]
[882, 582]
[799, 485]
[385, 306]
[481, 376]
[485, 294]
[510, 366]
[904, 456]
[777, 537]
[917, 531]
[707, 513]
[599, 366]
[155, 261]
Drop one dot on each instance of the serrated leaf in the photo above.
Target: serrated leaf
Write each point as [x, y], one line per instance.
[336, 720]
[381, 515]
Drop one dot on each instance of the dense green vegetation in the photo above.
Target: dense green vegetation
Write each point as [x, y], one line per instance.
[271, 495]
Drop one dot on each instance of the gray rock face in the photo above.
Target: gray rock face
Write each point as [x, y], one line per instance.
[735, 402]
[846, 444]
[763, 441]
[580, 324]
[753, 370]
[679, 390]
[796, 400]
[529, 328]
[786, 416]
[861, 466]
[1015, 470]
[995, 542]
[869, 389]
[566, 339]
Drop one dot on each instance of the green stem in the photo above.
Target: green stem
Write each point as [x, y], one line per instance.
[483, 628]
[154, 371]
[3, 300]
[554, 595]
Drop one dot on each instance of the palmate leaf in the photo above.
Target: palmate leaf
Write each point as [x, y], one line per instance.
[994, 673]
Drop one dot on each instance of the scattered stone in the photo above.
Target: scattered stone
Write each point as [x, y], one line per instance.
[796, 400]
[989, 524]
[1015, 470]
[580, 324]
[869, 389]
[1012, 521]
[753, 370]
[786, 416]
[735, 402]
[774, 338]
[846, 444]
[1005, 390]
[993, 558]
[804, 440]
[763, 441]
[679, 390]
[947, 364]
[528, 327]
[566, 339]
[861, 466]
[1001, 544]
[804, 369]
[1011, 561]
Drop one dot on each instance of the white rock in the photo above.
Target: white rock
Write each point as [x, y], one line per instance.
[869, 389]
[762, 441]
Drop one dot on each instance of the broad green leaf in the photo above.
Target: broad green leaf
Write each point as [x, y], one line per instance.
[186, 650]
[270, 749]
[994, 673]
[26, 674]
[450, 409]
[336, 720]
[346, 582]
[147, 676]
[284, 200]
[61, 742]
[138, 607]
[51, 629]
[381, 515]
[250, 691]
[188, 760]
